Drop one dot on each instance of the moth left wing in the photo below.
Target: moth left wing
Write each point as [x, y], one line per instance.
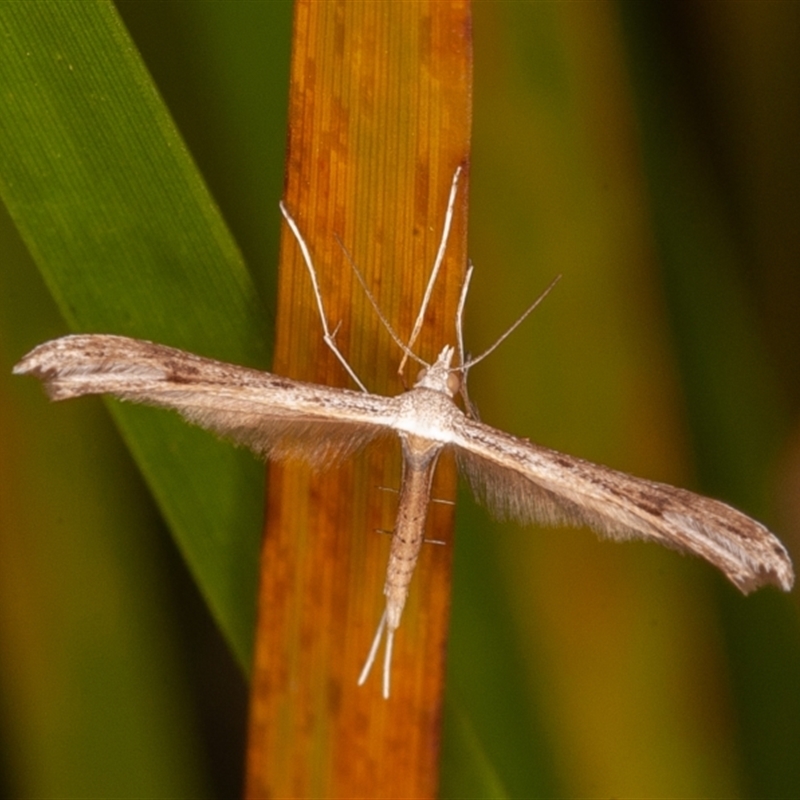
[527, 482]
[276, 417]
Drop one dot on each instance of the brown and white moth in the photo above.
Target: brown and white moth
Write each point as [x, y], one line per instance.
[278, 418]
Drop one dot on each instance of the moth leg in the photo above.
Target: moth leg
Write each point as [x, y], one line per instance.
[373, 651]
[387, 662]
[384, 532]
[463, 361]
[328, 335]
[437, 264]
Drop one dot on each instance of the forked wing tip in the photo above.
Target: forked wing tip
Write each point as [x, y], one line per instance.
[779, 574]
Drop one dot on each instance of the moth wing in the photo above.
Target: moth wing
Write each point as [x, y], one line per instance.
[526, 482]
[273, 416]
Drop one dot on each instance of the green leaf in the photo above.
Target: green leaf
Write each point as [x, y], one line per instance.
[129, 241]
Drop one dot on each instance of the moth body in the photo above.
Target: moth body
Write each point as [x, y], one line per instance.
[280, 418]
[419, 463]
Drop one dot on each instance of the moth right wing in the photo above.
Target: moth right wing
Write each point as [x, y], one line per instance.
[528, 482]
[273, 416]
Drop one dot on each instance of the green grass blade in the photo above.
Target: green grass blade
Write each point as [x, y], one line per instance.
[97, 698]
[129, 241]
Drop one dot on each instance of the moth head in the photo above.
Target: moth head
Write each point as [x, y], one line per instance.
[438, 376]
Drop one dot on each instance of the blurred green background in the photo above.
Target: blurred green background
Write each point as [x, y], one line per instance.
[647, 152]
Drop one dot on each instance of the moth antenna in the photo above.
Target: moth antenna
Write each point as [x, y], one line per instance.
[473, 361]
[327, 336]
[408, 353]
[437, 264]
[372, 651]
